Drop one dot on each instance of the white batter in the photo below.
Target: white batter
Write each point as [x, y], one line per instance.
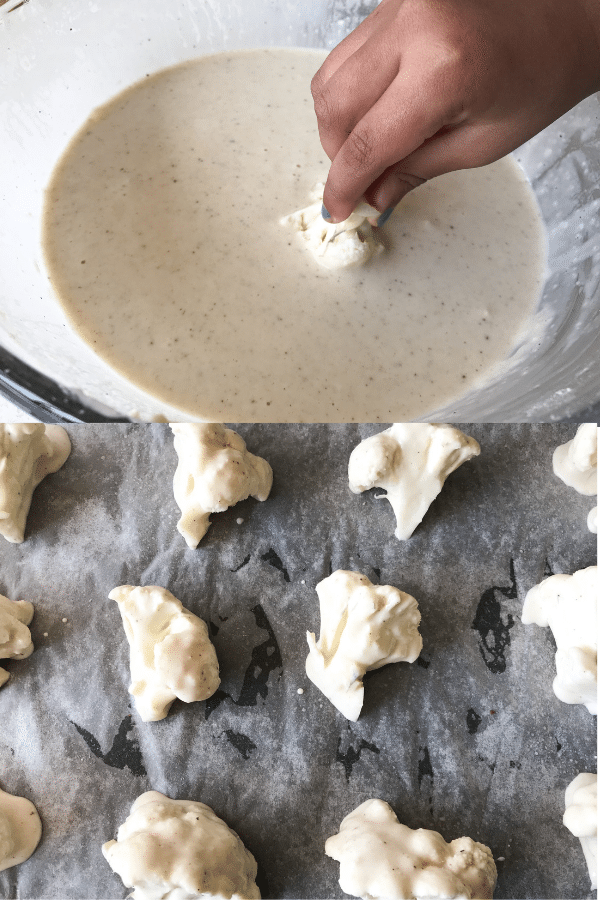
[163, 242]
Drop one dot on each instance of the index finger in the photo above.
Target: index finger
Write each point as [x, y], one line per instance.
[351, 91]
[410, 111]
[351, 43]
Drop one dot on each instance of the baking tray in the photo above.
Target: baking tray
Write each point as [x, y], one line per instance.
[470, 739]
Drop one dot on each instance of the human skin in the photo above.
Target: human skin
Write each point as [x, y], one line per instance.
[423, 87]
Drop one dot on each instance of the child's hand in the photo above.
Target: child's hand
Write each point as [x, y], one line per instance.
[423, 87]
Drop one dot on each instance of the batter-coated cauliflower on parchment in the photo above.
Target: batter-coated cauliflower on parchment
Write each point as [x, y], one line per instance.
[576, 462]
[171, 654]
[336, 246]
[410, 461]
[569, 605]
[363, 627]
[381, 859]
[20, 830]
[180, 850]
[215, 471]
[28, 453]
[581, 818]
[15, 637]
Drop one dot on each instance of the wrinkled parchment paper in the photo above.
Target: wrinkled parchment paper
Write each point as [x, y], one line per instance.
[470, 739]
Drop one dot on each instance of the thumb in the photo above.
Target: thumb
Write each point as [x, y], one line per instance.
[452, 148]
[391, 186]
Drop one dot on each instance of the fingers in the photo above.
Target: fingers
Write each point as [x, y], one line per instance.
[388, 190]
[351, 91]
[407, 114]
[460, 147]
[377, 21]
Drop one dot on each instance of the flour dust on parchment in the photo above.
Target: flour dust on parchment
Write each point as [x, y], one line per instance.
[163, 242]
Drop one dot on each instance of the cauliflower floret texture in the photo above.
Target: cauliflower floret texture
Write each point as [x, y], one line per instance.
[336, 246]
[15, 637]
[363, 627]
[568, 604]
[180, 850]
[410, 461]
[576, 462]
[20, 830]
[581, 818]
[27, 454]
[170, 651]
[215, 471]
[381, 859]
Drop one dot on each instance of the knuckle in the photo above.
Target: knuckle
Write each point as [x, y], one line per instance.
[451, 79]
[317, 85]
[333, 110]
[325, 111]
[461, 62]
[359, 150]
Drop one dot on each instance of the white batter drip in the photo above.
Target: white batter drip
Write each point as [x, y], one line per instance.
[163, 242]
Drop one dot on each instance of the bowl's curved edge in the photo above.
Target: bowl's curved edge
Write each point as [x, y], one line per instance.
[41, 396]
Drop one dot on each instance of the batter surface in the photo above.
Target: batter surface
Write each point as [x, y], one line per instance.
[163, 243]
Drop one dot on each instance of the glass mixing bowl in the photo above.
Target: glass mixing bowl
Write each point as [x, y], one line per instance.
[62, 59]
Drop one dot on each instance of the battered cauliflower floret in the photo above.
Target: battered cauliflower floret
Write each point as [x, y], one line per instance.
[27, 454]
[410, 461]
[381, 859]
[215, 471]
[336, 246]
[576, 462]
[581, 818]
[363, 627]
[170, 651]
[15, 637]
[7, 843]
[568, 604]
[20, 830]
[180, 850]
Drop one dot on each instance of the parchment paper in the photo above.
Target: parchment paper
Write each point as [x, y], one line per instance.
[470, 739]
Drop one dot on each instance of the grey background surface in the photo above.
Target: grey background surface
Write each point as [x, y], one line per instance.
[470, 739]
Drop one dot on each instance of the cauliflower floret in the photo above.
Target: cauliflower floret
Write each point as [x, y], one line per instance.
[363, 627]
[568, 604]
[381, 858]
[581, 818]
[7, 842]
[15, 637]
[170, 651]
[336, 246]
[20, 830]
[27, 454]
[180, 850]
[215, 471]
[592, 520]
[410, 461]
[576, 462]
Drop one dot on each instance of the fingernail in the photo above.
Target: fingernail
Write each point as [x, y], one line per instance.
[324, 213]
[385, 216]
